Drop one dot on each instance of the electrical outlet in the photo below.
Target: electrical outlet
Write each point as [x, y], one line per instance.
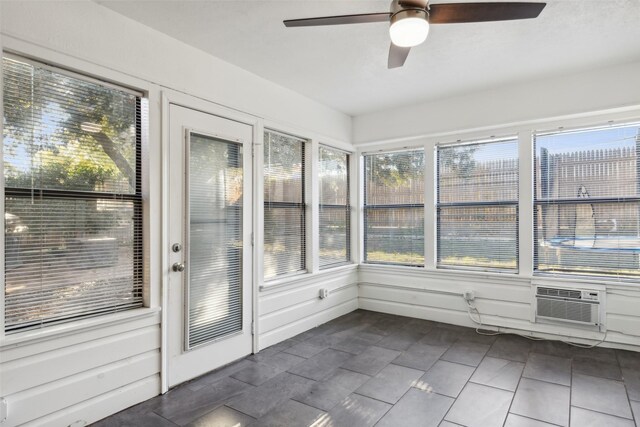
[469, 295]
[324, 293]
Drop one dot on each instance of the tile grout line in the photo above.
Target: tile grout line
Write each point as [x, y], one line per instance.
[548, 382]
[604, 413]
[494, 387]
[571, 390]
[167, 419]
[391, 363]
[435, 392]
[599, 412]
[633, 415]
[463, 387]
[310, 406]
[535, 419]
[517, 387]
[295, 399]
[373, 398]
[236, 410]
[400, 398]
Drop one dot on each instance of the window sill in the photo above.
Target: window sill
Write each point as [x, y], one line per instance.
[71, 328]
[285, 278]
[445, 272]
[541, 279]
[495, 277]
[306, 277]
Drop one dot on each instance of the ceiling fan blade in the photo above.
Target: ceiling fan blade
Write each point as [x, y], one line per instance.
[364, 18]
[397, 56]
[456, 13]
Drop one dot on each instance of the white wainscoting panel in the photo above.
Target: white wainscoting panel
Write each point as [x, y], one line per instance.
[504, 302]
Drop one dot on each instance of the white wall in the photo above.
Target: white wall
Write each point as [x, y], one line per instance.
[585, 92]
[593, 97]
[292, 308]
[83, 371]
[504, 303]
[82, 376]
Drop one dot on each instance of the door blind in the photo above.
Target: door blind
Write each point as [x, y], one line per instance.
[214, 265]
[73, 200]
[284, 205]
[478, 205]
[394, 208]
[587, 202]
[335, 212]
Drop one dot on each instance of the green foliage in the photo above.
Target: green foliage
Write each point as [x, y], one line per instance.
[74, 166]
[459, 160]
[44, 140]
[282, 151]
[394, 169]
[333, 176]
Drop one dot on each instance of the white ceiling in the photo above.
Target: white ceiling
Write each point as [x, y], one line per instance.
[345, 68]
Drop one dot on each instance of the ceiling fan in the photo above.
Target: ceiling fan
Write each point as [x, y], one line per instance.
[410, 20]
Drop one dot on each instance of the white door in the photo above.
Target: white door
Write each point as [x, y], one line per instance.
[209, 310]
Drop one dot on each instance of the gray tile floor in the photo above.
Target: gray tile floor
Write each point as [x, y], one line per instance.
[367, 369]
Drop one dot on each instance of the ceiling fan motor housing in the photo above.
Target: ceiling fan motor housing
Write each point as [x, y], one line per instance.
[409, 13]
[398, 6]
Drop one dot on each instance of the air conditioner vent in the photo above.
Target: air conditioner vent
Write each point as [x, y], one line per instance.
[580, 306]
[560, 309]
[559, 292]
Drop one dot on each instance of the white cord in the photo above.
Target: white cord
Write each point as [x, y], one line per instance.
[479, 321]
[586, 345]
[472, 308]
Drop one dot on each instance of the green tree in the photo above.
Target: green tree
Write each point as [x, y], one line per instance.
[394, 169]
[460, 160]
[66, 133]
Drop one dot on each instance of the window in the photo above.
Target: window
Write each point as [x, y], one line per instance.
[394, 208]
[588, 223]
[284, 205]
[335, 211]
[73, 201]
[478, 205]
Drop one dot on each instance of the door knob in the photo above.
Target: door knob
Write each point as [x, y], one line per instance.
[178, 267]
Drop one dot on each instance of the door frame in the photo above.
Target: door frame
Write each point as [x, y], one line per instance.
[172, 97]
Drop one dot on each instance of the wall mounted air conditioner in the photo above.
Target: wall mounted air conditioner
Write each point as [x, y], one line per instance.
[578, 305]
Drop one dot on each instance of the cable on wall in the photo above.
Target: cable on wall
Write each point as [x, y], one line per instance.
[471, 309]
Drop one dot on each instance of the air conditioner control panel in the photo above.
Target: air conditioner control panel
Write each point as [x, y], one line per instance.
[590, 295]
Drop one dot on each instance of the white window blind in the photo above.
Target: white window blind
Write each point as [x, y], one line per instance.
[73, 202]
[587, 202]
[334, 210]
[478, 205]
[214, 274]
[284, 205]
[394, 208]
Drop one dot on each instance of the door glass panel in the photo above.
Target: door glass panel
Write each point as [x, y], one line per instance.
[214, 265]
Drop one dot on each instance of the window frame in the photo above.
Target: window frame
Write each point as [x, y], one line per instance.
[366, 206]
[137, 198]
[512, 203]
[569, 275]
[346, 206]
[303, 205]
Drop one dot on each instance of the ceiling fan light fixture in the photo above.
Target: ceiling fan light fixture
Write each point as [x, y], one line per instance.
[409, 28]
